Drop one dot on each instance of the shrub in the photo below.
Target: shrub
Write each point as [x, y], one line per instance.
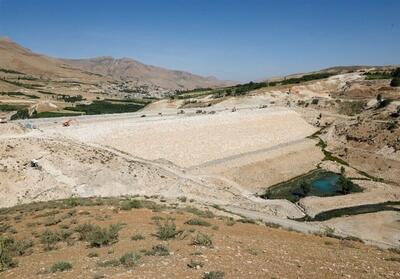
[314, 101]
[20, 114]
[200, 213]
[103, 236]
[158, 250]
[20, 247]
[214, 275]
[6, 261]
[84, 230]
[60, 266]
[4, 228]
[69, 214]
[137, 237]
[129, 259]
[345, 185]
[167, 230]
[230, 222]
[396, 73]
[395, 82]
[16, 247]
[129, 204]
[202, 240]
[246, 221]
[72, 202]
[197, 222]
[49, 239]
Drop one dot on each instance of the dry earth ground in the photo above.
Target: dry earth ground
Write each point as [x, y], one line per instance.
[240, 250]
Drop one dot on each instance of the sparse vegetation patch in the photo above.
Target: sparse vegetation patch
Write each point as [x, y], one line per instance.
[60, 267]
[197, 222]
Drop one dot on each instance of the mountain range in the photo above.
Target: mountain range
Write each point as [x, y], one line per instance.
[20, 59]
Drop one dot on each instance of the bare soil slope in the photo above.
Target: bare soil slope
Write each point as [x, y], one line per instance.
[199, 244]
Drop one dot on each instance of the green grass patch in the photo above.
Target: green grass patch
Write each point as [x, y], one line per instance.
[378, 75]
[131, 100]
[18, 94]
[104, 107]
[9, 107]
[50, 114]
[303, 78]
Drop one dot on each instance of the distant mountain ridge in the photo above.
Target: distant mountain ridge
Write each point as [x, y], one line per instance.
[17, 58]
[130, 69]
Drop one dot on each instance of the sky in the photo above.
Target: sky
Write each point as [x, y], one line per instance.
[239, 40]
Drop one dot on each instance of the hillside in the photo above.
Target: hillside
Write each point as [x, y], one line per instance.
[40, 86]
[14, 57]
[129, 69]
[317, 156]
[143, 238]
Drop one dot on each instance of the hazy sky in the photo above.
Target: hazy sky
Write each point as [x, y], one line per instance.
[230, 39]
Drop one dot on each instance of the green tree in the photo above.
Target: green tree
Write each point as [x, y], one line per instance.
[396, 73]
[20, 114]
[395, 82]
[345, 185]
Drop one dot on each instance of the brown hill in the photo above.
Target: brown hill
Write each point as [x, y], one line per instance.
[22, 60]
[129, 69]
[19, 59]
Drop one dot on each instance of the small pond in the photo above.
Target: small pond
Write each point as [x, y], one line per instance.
[326, 185]
[315, 183]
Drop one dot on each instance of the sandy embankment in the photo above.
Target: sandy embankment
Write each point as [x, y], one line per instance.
[191, 141]
[111, 156]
